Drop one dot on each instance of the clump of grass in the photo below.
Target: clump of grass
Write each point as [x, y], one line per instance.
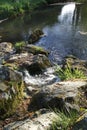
[64, 121]
[19, 45]
[69, 74]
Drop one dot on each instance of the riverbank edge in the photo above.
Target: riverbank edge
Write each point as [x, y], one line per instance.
[9, 13]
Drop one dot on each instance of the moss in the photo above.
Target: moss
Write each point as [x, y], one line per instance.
[8, 106]
[19, 45]
[12, 66]
[37, 50]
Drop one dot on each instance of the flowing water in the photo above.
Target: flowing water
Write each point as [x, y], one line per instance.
[65, 27]
[46, 78]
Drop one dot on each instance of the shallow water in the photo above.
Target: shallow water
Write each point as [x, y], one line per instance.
[64, 34]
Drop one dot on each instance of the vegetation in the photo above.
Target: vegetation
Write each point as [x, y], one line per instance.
[13, 8]
[69, 73]
[18, 46]
[8, 106]
[64, 121]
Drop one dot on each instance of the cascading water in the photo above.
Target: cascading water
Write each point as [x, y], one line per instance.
[67, 14]
[46, 78]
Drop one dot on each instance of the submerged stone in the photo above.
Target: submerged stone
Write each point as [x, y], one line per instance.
[35, 36]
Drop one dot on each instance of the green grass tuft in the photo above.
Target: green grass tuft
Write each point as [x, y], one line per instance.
[64, 121]
[69, 74]
[19, 45]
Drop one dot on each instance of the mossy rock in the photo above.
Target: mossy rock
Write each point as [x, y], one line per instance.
[35, 50]
[23, 47]
[11, 91]
[33, 63]
[35, 36]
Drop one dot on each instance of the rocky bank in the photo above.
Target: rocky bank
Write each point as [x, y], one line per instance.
[29, 87]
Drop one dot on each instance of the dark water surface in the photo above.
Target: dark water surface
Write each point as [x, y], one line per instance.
[65, 29]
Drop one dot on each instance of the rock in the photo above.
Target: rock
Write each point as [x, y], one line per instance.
[33, 63]
[63, 95]
[82, 33]
[24, 47]
[75, 63]
[11, 90]
[6, 49]
[3, 20]
[81, 123]
[35, 50]
[43, 122]
[6, 74]
[35, 36]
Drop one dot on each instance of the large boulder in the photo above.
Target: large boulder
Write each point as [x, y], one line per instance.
[33, 63]
[41, 122]
[11, 90]
[24, 47]
[63, 95]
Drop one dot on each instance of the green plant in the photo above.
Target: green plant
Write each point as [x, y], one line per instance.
[64, 121]
[8, 106]
[19, 45]
[13, 8]
[69, 73]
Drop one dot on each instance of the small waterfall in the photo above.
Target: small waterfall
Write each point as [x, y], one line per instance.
[46, 78]
[67, 14]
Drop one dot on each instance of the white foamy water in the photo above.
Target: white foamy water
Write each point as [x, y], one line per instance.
[67, 14]
[39, 80]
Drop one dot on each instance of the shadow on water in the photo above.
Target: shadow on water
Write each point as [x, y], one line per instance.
[65, 28]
